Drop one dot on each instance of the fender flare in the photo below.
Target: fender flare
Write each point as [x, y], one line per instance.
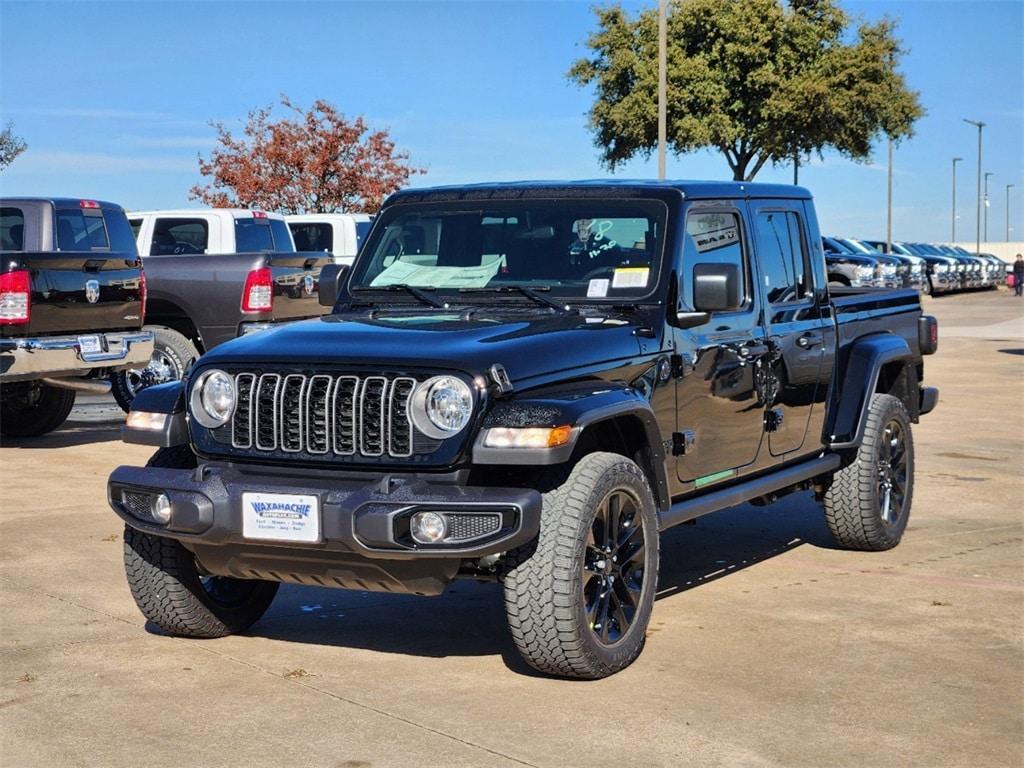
[167, 400]
[850, 402]
[581, 409]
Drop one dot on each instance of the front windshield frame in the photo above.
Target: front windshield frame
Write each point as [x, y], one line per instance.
[653, 207]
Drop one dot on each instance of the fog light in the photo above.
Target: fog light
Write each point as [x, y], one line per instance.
[162, 509]
[428, 527]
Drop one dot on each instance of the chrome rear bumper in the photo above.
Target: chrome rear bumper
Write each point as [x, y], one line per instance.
[56, 356]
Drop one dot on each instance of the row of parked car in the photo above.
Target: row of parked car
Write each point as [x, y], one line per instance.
[927, 267]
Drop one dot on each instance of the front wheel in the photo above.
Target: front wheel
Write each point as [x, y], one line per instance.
[578, 600]
[174, 594]
[867, 504]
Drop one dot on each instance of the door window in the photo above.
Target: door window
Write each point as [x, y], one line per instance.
[313, 236]
[712, 237]
[179, 236]
[782, 256]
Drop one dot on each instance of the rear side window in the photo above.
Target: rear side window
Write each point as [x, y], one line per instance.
[122, 238]
[179, 236]
[12, 229]
[781, 253]
[136, 225]
[77, 231]
[282, 236]
[252, 235]
[362, 230]
[712, 237]
[313, 236]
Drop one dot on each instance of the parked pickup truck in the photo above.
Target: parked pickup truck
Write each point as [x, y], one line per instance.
[339, 234]
[214, 275]
[72, 301]
[557, 373]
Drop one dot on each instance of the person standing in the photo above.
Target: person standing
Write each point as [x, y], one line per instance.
[1018, 276]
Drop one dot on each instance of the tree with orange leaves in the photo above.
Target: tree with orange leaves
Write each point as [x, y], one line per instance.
[318, 161]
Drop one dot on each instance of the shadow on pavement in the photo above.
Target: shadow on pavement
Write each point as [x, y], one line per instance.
[1012, 351]
[71, 434]
[468, 619]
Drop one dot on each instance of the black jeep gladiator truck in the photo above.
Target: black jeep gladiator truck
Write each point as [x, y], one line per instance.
[527, 383]
[72, 304]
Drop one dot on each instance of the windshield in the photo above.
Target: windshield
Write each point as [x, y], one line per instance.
[574, 248]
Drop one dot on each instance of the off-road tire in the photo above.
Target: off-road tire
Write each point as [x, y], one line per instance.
[31, 409]
[544, 598]
[853, 508]
[168, 588]
[179, 350]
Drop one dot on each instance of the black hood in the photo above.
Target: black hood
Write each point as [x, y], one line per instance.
[527, 345]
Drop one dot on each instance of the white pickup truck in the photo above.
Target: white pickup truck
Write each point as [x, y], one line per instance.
[216, 230]
[339, 234]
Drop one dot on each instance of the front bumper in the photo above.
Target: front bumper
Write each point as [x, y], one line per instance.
[56, 356]
[362, 544]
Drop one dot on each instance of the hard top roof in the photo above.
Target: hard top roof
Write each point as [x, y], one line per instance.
[689, 189]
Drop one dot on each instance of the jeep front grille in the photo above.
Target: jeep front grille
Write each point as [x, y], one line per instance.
[341, 415]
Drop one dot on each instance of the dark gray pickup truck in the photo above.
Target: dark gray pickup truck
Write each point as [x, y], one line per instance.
[72, 301]
[527, 383]
[201, 296]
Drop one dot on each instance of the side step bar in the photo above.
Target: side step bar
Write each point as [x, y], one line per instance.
[692, 508]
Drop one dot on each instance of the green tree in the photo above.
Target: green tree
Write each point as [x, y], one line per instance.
[10, 146]
[758, 80]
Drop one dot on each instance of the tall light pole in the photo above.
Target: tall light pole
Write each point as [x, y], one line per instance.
[888, 207]
[662, 86]
[1008, 187]
[987, 174]
[979, 126]
[955, 161]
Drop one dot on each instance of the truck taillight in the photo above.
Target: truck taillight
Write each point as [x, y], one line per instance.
[258, 294]
[15, 297]
[143, 295]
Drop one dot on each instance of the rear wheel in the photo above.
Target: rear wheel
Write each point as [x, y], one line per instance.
[30, 409]
[867, 504]
[578, 600]
[172, 355]
[171, 590]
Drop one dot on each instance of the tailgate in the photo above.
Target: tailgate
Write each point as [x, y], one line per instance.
[297, 284]
[79, 292]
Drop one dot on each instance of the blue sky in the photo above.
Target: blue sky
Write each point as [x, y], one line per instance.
[114, 99]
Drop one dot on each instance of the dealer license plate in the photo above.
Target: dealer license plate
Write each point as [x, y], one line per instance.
[90, 345]
[280, 517]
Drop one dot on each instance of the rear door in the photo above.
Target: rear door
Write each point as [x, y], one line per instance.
[719, 406]
[798, 317]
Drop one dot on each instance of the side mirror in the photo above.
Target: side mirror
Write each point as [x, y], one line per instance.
[717, 288]
[331, 278]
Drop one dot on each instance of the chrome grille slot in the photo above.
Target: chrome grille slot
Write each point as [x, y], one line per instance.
[343, 415]
[371, 415]
[399, 425]
[291, 412]
[266, 411]
[320, 415]
[241, 420]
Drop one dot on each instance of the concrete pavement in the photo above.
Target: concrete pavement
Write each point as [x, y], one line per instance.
[767, 647]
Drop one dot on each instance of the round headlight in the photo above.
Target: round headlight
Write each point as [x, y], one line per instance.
[213, 398]
[442, 406]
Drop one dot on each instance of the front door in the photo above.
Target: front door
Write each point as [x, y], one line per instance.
[720, 411]
[798, 320]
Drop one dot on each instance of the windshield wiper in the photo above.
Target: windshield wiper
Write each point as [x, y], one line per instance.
[530, 293]
[412, 290]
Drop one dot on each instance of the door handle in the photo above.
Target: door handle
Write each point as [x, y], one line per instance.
[752, 350]
[806, 342]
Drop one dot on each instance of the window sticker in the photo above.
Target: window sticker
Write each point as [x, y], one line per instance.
[631, 277]
[597, 287]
